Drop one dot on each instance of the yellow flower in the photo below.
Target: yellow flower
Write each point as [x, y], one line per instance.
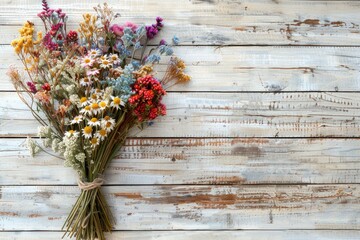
[101, 134]
[87, 132]
[94, 141]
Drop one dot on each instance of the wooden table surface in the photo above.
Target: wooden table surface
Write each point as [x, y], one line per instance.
[263, 144]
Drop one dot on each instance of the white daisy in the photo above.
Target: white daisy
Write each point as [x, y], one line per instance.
[95, 108]
[114, 58]
[107, 119]
[87, 132]
[101, 134]
[108, 123]
[72, 133]
[105, 63]
[94, 142]
[85, 81]
[92, 72]
[84, 101]
[86, 110]
[94, 122]
[103, 105]
[116, 102]
[87, 61]
[94, 53]
[77, 119]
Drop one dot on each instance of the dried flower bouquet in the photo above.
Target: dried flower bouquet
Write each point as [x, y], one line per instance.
[93, 85]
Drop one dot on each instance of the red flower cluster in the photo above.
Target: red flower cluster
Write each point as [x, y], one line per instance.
[72, 36]
[146, 101]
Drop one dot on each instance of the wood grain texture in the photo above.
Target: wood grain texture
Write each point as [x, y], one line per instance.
[227, 115]
[248, 22]
[198, 161]
[209, 235]
[253, 68]
[191, 207]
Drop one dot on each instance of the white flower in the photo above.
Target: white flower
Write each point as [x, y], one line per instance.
[101, 134]
[95, 108]
[72, 133]
[44, 131]
[116, 102]
[87, 61]
[94, 122]
[105, 63]
[114, 58]
[87, 132]
[80, 157]
[85, 82]
[78, 119]
[86, 110]
[94, 142]
[32, 146]
[70, 88]
[84, 101]
[92, 72]
[74, 99]
[108, 123]
[103, 105]
[94, 53]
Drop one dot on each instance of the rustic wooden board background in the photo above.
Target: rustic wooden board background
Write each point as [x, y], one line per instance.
[262, 144]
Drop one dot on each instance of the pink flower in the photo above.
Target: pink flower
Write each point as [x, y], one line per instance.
[131, 25]
[43, 97]
[92, 72]
[117, 30]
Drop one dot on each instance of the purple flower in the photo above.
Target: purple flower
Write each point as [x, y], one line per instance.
[159, 23]
[151, 31]
[162, 42]
[32, 87]
[159, 19]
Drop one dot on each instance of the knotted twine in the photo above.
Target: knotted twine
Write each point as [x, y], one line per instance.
[86, 186]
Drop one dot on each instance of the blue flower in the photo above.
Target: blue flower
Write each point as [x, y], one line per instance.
[175, 40]
[153, 58]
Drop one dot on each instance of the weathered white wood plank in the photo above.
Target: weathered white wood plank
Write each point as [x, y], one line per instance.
[199, 161]
[253, 68]
[191, 207]
[227, 115]
[201, 235]
[217, 22]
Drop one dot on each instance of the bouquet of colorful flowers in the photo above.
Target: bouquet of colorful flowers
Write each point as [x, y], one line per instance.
[92, 85]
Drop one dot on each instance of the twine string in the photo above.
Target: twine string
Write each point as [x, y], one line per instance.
[86, 186]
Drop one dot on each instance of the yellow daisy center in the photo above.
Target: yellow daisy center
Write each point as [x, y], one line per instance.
[94, 141]
[113, 57]
[102, 132]
[87, 60]
[102, 104]
[116, 101]
[107, 118]
[87, 108]
[108, 125]
[94, 120]
[71, 131]
[83, 99]
[105, 62]
[94, 96]
[94, 106]
[87, 130]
